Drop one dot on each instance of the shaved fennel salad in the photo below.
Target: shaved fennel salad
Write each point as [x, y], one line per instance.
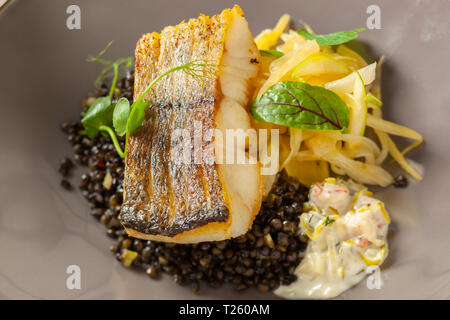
[322, 96]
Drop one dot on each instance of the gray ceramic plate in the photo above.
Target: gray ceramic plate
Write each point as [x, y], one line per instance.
[43, 77]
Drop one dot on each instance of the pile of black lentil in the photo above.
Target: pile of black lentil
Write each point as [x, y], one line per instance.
[264, 258]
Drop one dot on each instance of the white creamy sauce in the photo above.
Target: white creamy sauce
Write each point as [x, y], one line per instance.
[347, 230]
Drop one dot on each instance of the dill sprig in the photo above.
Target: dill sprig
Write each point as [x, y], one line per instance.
[111, 68]
[201, 69]
[197, 69]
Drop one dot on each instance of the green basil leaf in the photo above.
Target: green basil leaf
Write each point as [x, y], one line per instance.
[120, 116]
[302, 106]
[137, 116]
[331, 38]
[271, 53]
[99, 113]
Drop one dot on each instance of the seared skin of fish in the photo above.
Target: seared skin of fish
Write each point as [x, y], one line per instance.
[196, 200]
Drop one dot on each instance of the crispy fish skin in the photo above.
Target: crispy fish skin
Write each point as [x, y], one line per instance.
[162, 196]
[165, 199]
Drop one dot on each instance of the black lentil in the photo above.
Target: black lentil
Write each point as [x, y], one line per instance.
[65, 166]
[400, 181]
[152, 272]
[263, 258]
[66, 184]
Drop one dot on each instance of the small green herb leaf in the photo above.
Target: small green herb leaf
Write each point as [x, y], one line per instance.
[331, 38]
[328, 221]
[110, 67]
[100, 113]
[137, 116]
[120, 116]
[300, 105]
[271, 53]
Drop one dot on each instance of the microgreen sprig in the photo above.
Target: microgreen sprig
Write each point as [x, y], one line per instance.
[104, 115]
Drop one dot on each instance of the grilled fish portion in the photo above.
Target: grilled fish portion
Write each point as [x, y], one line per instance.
[165, 197]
